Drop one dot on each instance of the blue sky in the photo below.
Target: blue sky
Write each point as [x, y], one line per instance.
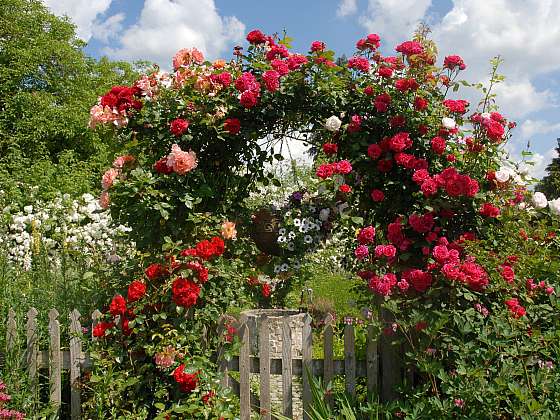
[524, 32]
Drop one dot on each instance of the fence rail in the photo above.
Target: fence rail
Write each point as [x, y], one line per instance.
[382, 367]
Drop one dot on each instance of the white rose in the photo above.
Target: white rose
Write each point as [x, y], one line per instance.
[503, 174]
[333, 123]
[555, 206]
[448, 123]
[539, 200]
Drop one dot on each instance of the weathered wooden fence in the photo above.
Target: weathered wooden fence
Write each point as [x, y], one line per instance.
[381, 366]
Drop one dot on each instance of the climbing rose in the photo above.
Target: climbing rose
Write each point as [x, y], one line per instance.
[317, 46]
[366, 235]
[232, 126]
[256, 37]
[109, 177]
[155, 271]
[136, 291]
[438, 145]
[359, 63]
[248, 99]
[333, 123]
[161, 166]
[117, 306]
[361, 252]
[410, 48]
[345, 188]
[453, 61]
[377, 195]
[265, 290]
[101, 327]
[271, 80]
[228, 230]
[330, 148]
[187, 381]
[185, 292]
[178, 127]
[488, 210]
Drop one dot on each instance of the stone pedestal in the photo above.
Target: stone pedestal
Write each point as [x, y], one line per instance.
[276, 318]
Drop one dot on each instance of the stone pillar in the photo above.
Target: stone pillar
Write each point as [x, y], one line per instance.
[276, 318]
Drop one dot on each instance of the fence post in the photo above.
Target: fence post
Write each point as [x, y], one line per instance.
[372, 361]
[350, 359]
[287, 404]
[328, 360]
[264, 367]
[244, 368]
[75, 363]
[307, 344]
[390, 362]
[32, 350]
[11, 331]
[55, 362]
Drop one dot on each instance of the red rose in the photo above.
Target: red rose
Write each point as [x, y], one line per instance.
[384, 165]
[317, 46]
[366, 235]
[456, 106]
[155, 271]
[232, 126]
[385, 71]
[359, 63]
[187, 381]
[494, 130]
[452, 62]
[368, 91]
[429, 187]
[400, 142]
[325, 170]
[205, 249]
[265, 290]
[219, 246]
[345, 188]
[374, 151]
[185, 292]
[377, 195]
[178, 126]
[280, 66]
[117, 306]
[100, 329]
[488, 210]
[248, 99]
[343, 167]
[420, 103]
[410, 48]
[256, 37]
[161, 167]
[382, 102]
[271, 80]
[330, 148]
[136, 291]
[438, 145]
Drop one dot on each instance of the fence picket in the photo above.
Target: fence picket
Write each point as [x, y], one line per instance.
[328, 362]
[307, 344]
[75, 364]
[11, 331]
[350, 359]
[287, 405]
[264, 367]
[372, 361]
[390, 362]
[244, 385]
[31, 354]
[55, 359]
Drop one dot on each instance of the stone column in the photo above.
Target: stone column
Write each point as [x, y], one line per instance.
[276, 318]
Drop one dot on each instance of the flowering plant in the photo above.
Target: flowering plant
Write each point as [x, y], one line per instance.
[5, 412]
[164, 332]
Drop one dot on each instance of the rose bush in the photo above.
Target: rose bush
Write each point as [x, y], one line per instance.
[418, 176]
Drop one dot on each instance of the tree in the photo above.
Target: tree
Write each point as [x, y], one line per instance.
[47, 86]
[550, 184]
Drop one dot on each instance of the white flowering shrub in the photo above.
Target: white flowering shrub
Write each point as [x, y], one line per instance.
[78, 226]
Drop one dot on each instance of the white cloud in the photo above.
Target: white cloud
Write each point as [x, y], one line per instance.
[519, 97]
[540, 162]
[165, 26]
[347, 7]
[109, 28]
[83, 13]
[530, 128]
[394, 20]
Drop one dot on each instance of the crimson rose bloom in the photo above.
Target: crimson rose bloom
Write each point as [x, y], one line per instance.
[185, 292]
[187, 381]
[438, 145]
[271, 80]
[410, 48]
[345, 188]
[494, 131]
[179, 126]
[256, 37]
[488, 210]
[248, 99]
[366, 235]
[232, 126]
[454, 61]
[117, 306]
[265, 290]
[155, 271]
[317, 46]
[377, 195]
[136, 291]
[420, 103]
[161, 166]
[330, 148]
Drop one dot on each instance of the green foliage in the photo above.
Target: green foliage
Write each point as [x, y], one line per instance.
[47, 85]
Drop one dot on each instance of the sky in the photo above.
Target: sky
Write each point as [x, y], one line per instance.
[524, 33]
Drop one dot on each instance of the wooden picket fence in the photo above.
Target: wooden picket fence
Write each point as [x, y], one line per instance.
[382, 366]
